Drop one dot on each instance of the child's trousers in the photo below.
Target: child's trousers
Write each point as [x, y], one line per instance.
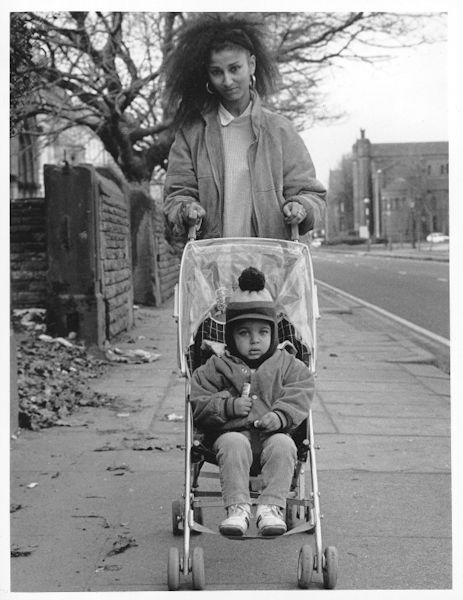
[277, 458]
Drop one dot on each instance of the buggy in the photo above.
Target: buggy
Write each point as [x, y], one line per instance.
[209, 272]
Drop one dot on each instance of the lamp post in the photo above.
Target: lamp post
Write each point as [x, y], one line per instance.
[366, 202]
[388, 224]
[377, 203]
[412, 212]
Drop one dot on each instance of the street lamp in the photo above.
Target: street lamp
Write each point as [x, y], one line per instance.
[412, 210]
[366, 202]
[388, 223]
[376, 205]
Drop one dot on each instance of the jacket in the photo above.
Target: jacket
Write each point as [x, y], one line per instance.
[281, 171]
[282, 384]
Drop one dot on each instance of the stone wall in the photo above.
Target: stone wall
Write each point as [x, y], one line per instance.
[89, 253]
[168, 261]
[155, 264]
[78, 272]
[28, 253]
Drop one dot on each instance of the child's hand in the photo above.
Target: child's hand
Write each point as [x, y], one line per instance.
[269, 422]
[242, 406]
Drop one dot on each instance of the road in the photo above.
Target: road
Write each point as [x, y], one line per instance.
[415, 290]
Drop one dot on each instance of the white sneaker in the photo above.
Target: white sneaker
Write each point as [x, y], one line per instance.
[270, 520]
[237, 521]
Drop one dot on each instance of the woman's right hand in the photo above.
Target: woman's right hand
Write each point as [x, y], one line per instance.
[193, 214]
[242, 406]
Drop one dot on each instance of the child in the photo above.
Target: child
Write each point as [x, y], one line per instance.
[256, 424]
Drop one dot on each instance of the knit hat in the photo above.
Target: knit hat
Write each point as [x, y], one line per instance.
[251, 301]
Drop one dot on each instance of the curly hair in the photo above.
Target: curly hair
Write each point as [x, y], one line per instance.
[186, 68]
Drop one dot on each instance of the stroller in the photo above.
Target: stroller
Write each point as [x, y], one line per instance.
[208, 273]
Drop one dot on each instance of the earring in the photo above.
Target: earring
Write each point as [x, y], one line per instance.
[208, 89]
[252, 83]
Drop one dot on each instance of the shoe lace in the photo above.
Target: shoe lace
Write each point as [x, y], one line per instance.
[238, 509]
[272, 510]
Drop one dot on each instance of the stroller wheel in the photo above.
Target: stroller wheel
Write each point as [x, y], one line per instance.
[173, 569]
[176, 517]
[197, 568]
[330, 567]
[305, 566]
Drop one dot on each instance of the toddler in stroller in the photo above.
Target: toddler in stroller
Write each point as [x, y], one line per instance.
[247, 402]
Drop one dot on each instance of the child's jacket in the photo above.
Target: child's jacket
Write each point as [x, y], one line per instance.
[283, 384]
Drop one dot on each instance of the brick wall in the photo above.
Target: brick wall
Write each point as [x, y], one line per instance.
[115, 255]
[28, 253]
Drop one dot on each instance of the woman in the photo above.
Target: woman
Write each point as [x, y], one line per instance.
[235, 168]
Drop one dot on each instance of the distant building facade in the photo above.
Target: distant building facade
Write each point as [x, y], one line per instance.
[399, 192]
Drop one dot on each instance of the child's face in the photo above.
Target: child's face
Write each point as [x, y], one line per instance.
[252, 338]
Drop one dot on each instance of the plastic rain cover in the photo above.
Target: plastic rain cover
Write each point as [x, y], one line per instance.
[209, 274]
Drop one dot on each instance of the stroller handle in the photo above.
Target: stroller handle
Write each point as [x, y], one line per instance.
[294, 232]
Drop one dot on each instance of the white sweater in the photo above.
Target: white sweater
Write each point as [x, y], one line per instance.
[237, 136]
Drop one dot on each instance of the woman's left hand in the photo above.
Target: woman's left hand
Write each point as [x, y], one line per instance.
[294, 213]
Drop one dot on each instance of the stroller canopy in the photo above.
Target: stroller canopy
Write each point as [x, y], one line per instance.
[209, 274]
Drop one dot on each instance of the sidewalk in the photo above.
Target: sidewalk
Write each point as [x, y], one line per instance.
[423, 251]
[99, 516]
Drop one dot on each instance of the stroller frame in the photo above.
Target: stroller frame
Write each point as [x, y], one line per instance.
[187, 517]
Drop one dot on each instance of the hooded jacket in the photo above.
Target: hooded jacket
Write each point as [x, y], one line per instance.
[282, 384]
[280, 166]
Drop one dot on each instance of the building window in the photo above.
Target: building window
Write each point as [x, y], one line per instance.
[429, 169]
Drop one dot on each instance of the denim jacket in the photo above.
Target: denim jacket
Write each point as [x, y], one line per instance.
[281, 171]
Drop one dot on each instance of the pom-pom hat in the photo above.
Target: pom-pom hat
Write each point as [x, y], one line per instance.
[251, 301]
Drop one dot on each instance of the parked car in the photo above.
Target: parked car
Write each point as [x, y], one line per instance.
[436, 237]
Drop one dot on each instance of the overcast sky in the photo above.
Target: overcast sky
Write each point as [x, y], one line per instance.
[402, 100]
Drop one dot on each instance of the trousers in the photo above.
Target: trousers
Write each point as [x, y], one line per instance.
[278, 457]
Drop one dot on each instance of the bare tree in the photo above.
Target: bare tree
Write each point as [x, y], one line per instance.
[21, 70]
[103, 70]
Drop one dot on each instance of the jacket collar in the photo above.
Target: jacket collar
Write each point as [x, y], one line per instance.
[226, 117]
[210, 116]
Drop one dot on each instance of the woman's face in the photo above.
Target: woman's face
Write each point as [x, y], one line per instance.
[230, 73]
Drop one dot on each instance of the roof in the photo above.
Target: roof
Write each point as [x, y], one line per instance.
[410, 149]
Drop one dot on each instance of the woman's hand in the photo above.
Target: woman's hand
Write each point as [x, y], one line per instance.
[193, 214]
[294, 213]
[242, 406]
[269, 422]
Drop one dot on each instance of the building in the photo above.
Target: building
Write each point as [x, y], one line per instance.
[400, 192]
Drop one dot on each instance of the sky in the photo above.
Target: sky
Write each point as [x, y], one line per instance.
[402, 100]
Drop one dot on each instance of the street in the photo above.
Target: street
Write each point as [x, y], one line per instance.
[415, 290]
